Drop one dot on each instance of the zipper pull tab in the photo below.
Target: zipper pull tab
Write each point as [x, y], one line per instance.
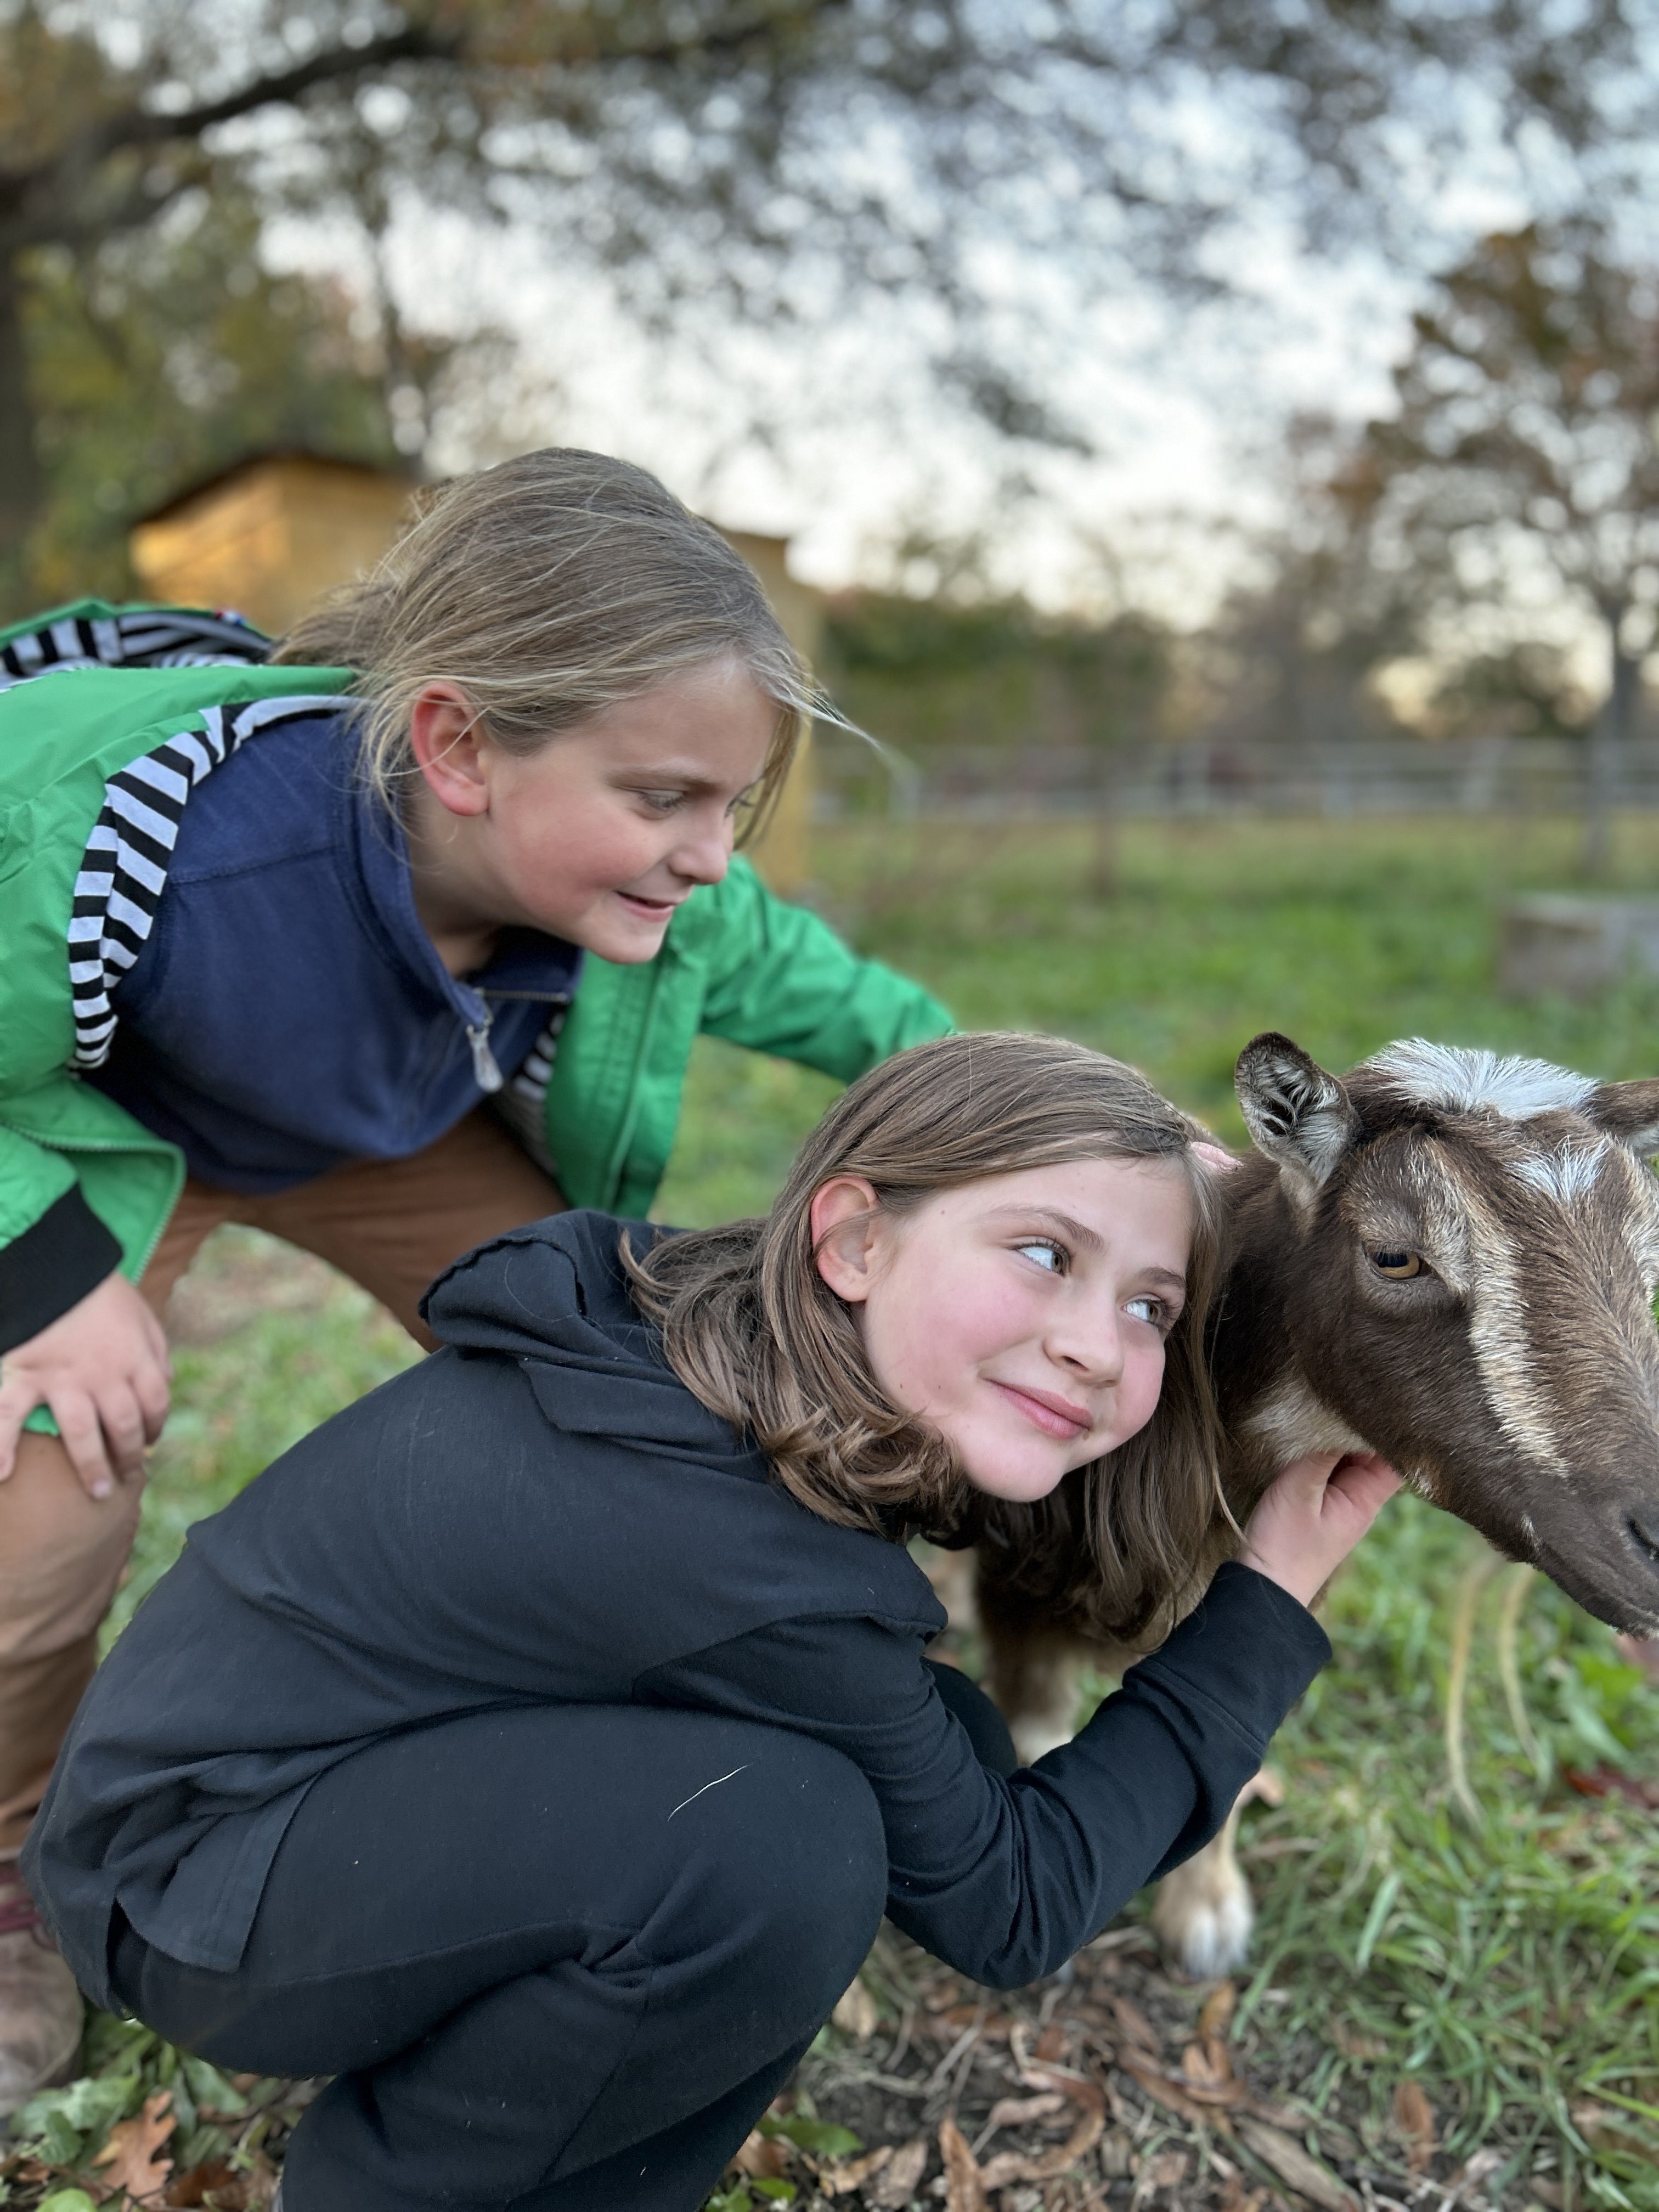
[483, 1061]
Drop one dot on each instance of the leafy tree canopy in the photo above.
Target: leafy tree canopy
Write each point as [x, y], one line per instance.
[769, 157]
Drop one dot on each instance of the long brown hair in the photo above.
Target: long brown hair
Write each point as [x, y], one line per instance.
[754, 1331]
[549, 587]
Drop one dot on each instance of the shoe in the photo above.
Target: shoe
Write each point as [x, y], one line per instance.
[41, 2014]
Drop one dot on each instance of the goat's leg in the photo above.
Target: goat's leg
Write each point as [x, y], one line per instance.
[1032, 1671]
[1203, 1912]
[1033, 1682]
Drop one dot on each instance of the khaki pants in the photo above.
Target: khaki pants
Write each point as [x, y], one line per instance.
[391, 1225]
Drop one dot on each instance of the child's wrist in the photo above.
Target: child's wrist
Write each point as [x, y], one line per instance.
[1296, 1586]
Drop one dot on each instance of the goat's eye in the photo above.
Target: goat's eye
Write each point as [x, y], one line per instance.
[1398, 1265]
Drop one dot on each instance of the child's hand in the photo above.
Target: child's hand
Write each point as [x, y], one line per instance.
[1316, 1511]
[102, 1368]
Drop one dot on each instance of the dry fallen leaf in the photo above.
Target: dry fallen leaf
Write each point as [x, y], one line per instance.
[836, 2176]
[1018, 2112]
[964, 2191]
[1413, 2122]
[1090, 2100]
[855, 2011]
[1352, 2044]
[1215, 2015]
[1051, 2044]
[1207, 2070]
[902, 2177]
[760, 2158]
[1294, 2166]
[132, 2154]
[1175, 2096]
[200, 2184]
[1135, 2024]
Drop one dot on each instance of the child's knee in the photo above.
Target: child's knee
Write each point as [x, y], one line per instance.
[799, 1871]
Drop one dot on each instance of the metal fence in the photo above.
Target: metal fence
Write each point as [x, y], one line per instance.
[1209, 777]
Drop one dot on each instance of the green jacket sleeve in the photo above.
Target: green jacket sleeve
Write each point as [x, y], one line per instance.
[739, 964]
[780, 981]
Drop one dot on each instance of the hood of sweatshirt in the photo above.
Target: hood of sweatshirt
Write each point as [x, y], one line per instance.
[553, 1295]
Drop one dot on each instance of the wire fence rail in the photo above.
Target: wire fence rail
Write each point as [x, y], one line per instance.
[1205, 777]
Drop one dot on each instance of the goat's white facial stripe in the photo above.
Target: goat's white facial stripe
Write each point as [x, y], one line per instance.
[1469, 1082]
[1499, 1339]
[1565, 1175]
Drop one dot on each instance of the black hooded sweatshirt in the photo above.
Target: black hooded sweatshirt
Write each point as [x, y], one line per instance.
[542, 1513]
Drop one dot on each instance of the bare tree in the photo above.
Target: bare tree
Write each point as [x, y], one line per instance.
[766, 151]
[1529, 433]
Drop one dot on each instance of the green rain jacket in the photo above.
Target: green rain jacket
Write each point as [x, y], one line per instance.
[736, 964]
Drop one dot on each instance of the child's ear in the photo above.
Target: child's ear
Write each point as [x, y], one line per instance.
[447, 737]
[845, 1217]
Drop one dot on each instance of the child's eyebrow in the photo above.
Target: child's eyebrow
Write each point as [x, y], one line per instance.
[692, 776]
[1089, 1240]
[1078, 1232]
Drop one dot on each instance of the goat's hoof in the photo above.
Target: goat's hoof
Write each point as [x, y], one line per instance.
[1208, 1937]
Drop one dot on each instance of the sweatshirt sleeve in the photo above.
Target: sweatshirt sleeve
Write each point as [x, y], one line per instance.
[57, 1248]
[1005, 1879]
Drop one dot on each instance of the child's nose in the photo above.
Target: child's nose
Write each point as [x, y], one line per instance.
[705, 853]
[1091, 1342]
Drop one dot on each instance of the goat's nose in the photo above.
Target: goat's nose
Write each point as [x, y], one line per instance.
[1642, 1523]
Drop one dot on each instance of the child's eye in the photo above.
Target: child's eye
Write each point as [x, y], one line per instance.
[661, 802]
[1053, 1257]
[1149, 1308]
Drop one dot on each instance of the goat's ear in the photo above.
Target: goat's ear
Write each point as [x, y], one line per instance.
[1628, 1111]
[1300, 1117]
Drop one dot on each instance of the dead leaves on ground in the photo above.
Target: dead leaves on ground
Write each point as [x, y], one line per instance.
[132, 2162]
[1118, 2089]
[211, 2159]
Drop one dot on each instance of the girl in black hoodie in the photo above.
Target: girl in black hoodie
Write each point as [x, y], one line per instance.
[536, 1746]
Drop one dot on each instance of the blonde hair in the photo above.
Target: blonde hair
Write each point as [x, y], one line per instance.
[753, 1331]
[548, 588]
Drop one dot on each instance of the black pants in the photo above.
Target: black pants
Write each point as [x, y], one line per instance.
[555, 1958]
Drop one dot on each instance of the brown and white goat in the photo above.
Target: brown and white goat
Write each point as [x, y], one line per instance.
[1443, 1256]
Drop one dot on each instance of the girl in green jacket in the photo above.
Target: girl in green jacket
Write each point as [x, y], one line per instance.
[384, 945]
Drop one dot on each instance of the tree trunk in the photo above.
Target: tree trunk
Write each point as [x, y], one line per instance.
[20, 482]
[1608, 738]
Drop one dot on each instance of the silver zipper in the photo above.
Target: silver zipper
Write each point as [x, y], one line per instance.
[483, 1061]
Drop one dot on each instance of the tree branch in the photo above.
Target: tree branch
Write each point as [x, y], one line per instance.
[151, 127]
[42, 197]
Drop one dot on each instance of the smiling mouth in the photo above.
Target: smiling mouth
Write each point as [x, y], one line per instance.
[653, 907]
[1056, 1416]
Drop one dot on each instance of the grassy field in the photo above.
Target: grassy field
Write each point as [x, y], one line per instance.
[1500, 1961]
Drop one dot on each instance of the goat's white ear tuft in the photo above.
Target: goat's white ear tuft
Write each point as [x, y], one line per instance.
[1628, 1112]
[1300, 1117]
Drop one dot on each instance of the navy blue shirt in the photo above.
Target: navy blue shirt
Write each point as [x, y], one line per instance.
[288, 1012]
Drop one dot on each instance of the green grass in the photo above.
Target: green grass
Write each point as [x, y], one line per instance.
[1508, 1964]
